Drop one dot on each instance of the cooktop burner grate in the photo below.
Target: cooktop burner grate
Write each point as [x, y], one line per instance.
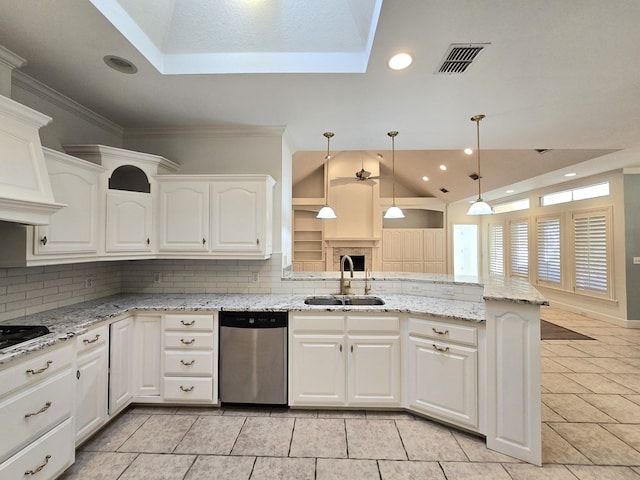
[11, 335]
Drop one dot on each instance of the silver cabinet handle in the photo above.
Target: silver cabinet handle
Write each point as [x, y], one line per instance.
[440, 332]
[187, 364]
[33, 472]
[188, 389]
[188, 324]
[187, 342]
[40, 370]
[92, 341]
[440, 349]
[43, 409]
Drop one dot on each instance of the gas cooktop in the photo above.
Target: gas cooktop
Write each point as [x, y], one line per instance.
[11, 335]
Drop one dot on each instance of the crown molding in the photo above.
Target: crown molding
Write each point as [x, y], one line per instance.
[31, 85]
[10, 59]
[216, 132]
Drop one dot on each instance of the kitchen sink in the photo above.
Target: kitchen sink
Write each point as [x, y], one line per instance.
[343, 300]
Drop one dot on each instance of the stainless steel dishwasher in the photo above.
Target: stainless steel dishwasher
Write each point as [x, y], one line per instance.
[253, 357]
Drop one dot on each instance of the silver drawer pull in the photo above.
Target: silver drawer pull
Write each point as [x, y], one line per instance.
[187, 342]
[43, 409]
[33, 472]
[92, 341]
[187, 364]
[188, 324]
[40, 370]
[440, 332]
[188, 389]
[440, 349]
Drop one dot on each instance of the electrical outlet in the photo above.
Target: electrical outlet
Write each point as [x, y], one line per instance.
[415, 288]
[636, 260]
[156, 277]
[448, 291]
[381, 287]
[88, 282]
[254, 277]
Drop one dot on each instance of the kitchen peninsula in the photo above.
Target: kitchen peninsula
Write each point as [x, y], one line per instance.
[459, 352]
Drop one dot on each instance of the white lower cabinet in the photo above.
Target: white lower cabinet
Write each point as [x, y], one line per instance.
[442, 371]
[147, 355]
[121, 375]
[189, 358]
[92, 370]
[338, 359]
[36, 407]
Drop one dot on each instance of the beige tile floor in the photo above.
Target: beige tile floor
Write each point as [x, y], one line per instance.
[590, 409]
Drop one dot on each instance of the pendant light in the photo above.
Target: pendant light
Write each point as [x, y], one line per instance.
[479, 207]
[327, 211]
[393, 211]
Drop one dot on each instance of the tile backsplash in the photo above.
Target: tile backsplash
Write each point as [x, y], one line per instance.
[28, 290]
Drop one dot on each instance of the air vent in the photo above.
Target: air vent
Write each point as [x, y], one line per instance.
[459, 57]
[474, 176]
[444, 190]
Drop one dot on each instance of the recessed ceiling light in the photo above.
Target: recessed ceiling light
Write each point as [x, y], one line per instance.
[400, 61]
[510, 191]
[468, 151]
[425, 178]
[120, 64]
[443, 167]
[572, 174]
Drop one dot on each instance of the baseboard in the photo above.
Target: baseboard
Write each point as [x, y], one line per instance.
[619, 322]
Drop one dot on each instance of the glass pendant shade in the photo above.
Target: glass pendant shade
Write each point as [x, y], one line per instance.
[479, 207]
[326, 212]
[394, 212]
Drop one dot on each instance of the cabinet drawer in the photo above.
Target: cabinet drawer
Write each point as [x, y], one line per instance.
[188, 363]
[373, 324]
[189, 340]
[31, 412]
[189, 389]
[36, 368]
[93, 338]
[188, 322]
[44, 459]
[451, 332]
[322, 324]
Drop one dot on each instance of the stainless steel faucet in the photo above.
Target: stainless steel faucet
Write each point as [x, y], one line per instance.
[367, 287]
[345, 286]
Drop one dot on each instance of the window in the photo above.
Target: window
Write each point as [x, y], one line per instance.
[519, 251]
[591, 258]
[512, 206]
[580, 193]
[496, 249]
[548, 245]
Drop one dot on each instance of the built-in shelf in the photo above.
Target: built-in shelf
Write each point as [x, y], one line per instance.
[308, 241]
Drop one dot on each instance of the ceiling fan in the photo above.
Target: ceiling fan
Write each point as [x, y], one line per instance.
[361, 176]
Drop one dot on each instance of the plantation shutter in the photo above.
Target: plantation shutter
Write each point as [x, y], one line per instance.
[496, 249]
[549, 269]
[590, 238]
[519, 249]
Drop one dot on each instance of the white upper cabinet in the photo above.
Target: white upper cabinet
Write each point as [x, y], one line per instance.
[73, 229]
[221, 216]
[184, 216]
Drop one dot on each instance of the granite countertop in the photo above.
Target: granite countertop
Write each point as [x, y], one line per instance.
[67, 322]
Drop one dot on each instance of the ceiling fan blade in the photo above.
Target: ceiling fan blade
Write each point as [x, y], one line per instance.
[342, 180]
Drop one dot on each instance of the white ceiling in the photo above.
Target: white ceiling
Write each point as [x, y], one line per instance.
[558, 75]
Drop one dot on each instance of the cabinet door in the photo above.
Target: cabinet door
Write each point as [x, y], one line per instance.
[91, 391]
[72, 229]
[184, 216]
[443, 381]
[391, 246]
[374, 370]
[412, 245]
[128, 222]
[317, 370]
[237, 217]
[121, 361]
[148, 354]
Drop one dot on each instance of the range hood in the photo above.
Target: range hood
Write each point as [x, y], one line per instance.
[25, 190]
